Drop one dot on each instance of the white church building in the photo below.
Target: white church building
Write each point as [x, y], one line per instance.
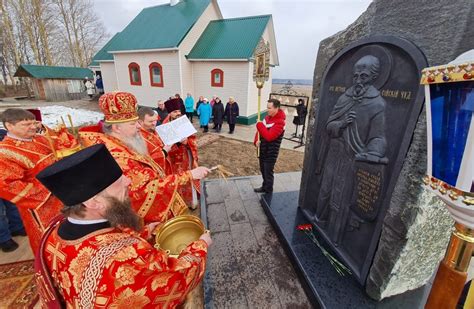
[187, 47]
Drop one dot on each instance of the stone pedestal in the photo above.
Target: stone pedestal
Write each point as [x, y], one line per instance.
[324, 286]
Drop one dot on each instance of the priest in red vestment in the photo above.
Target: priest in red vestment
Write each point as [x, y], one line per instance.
[154, 195]
[157, 150]
[23, 153]
[99, 256]
[184, 157]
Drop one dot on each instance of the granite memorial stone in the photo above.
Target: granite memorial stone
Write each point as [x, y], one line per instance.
[370, 100]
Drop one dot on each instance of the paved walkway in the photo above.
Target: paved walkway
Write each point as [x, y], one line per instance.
[247, 266]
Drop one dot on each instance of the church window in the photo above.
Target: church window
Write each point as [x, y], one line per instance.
[217, 78]
[156, 74]
[134, 72]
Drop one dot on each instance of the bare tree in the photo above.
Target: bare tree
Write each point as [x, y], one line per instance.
[10, 49]
[24, 12]
[37, 31]
[41, 15]
[83, 31]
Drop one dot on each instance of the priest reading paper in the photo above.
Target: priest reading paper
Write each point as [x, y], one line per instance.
[176, 130]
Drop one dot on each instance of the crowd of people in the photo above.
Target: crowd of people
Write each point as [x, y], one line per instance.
[209, 112]
[89, 201]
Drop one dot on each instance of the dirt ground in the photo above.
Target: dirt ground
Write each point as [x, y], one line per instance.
[240, 157]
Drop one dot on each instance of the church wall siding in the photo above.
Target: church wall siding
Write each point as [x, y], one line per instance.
[146, 94]
[109, 76]
[210, 13]
[235, 82]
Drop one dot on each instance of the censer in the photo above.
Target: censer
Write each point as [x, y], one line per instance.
[177, 233]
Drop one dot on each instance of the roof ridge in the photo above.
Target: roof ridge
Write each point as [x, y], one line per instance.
[241, 18]
[51, 66]
[234, 38]
[165, 4]
[154, 6]
[136, 35]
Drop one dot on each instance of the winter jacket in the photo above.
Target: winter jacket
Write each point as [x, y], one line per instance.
[89, 88]
[271, 131]
[204, 112]
[197, 104]
[301, 112]
[181, 106]
[189, 104]
[218, 113]
[162, 114]
[99, 84]
[231, 112]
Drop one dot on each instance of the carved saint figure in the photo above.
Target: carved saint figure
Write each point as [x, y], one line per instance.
[356, 132]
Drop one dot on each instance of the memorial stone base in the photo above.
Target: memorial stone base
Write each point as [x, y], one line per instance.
[323, 285]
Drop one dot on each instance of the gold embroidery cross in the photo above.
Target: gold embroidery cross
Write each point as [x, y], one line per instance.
[57, 254]
[166, 299]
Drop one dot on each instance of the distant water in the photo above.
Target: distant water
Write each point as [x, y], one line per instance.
[293, 81]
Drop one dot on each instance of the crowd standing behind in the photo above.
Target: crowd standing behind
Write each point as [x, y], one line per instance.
[207, 111]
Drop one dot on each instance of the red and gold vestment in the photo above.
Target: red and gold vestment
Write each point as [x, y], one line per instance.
[154, 195]
[20, 161]
[184, 157]
[155, 149]
[110, 268]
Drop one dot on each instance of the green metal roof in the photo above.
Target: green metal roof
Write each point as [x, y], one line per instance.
[234, 38]
[156, 27]
[44, 71]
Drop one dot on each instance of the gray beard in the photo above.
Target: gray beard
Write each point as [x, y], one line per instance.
[137, 143]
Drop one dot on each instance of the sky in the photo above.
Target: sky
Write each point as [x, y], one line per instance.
[299, 24]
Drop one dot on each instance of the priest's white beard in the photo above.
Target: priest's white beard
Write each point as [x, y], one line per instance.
[137, 143]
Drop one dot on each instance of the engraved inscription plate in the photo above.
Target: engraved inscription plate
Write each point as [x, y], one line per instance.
[367, 191]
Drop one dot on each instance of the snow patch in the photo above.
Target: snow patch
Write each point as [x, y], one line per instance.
[51, 116]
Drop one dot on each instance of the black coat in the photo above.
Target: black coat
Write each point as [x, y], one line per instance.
[301, 112]
[182, 108]
[162, 113]
[218, 113]
[269, 150]
[231, 112]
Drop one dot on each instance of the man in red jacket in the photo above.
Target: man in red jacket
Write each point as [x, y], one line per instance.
[271, 131]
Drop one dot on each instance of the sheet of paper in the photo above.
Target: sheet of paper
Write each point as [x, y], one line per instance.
[176, 130]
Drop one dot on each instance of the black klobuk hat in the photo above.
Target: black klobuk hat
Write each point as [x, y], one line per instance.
[82, 175]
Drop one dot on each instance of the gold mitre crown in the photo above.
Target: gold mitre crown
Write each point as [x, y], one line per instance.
[118, 106]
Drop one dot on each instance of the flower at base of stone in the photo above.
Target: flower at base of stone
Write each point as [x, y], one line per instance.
[305, 227]
[338, 266]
